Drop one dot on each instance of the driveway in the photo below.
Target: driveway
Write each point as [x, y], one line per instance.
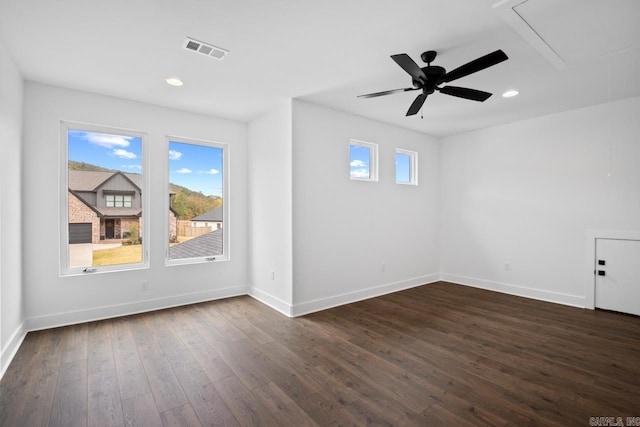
[81, 254]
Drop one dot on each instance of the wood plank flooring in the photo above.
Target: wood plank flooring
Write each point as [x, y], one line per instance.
[439, 354]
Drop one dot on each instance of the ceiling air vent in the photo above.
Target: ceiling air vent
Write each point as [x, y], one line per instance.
[204, 48]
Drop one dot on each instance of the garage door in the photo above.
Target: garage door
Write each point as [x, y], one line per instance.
[80, 233]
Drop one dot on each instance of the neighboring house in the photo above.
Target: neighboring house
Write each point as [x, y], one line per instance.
[212, 218]
[106, 206]
[209, 244]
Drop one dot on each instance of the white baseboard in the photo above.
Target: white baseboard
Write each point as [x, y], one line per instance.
[273, 302]
[106, 312]
[10, 350]
[350, 297]
[521, 291]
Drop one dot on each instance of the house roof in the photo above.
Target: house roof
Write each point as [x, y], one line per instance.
[119, 212]
[90, 180]
[209, 244]
[214, 215]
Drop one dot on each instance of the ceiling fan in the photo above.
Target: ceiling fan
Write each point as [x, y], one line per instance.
[429, 78]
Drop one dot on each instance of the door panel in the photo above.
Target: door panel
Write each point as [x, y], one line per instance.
[618, 279]
[109, 229]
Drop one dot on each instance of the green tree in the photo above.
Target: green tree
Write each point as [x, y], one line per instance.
[134, 231]
[82, 166]
[188, 204]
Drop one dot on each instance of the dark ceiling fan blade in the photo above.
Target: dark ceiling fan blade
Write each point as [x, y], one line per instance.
[466, 93]
[409, 65]
[387, 92]
[417, 104]
[476, 65]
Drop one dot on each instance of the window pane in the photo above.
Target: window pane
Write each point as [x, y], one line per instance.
[360, 162]
[99, 165]
[403, 168]
[196, 220]
[406, 167]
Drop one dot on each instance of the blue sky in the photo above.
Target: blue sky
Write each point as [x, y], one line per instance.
[403, 163]
[197, 167]
[123, 153]
[359, 161]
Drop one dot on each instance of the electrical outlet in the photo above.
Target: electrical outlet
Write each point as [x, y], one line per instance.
[383, 267]
[273, 275]
[507, 266]
[145, 286]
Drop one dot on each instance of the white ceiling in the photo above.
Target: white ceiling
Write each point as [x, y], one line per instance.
[326, 52]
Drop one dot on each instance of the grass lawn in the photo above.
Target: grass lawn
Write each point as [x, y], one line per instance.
[120, 255]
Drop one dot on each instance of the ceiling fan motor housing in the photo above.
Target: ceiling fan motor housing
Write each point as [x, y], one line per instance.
[434, 76]
[434, 73]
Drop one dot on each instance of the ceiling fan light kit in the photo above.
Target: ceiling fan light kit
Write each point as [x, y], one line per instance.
[430, 78]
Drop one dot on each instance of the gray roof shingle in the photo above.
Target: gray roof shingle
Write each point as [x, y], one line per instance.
[207, 245]
[119, 212]
[214, 215]
[90, 180]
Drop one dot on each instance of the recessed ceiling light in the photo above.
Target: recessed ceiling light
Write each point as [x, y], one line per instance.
[510, 93]
[174, 81]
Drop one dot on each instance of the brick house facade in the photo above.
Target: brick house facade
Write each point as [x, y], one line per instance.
[80, 213]
[106, 206]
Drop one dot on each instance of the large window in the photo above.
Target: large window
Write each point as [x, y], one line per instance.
[363, 160]
[198, 201]
[104, 205]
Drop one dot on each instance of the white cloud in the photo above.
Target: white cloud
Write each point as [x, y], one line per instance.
[359, 169]
[139, 167]
[212, 171]
[106, 140]
[124, 154]
[174, 155]
[360, 173]
[184, 170]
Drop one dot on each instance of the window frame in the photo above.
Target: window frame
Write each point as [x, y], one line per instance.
[373, 160]
[226, 197]
[63, 188]
[413, 166]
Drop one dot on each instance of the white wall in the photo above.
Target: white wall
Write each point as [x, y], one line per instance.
[54, 300]
[526, 193]
[11, 301]
[270, 218]
[344, 230]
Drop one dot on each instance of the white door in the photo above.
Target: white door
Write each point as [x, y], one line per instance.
[617, 272]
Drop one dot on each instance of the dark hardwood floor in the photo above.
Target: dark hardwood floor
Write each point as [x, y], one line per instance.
[440, 354]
